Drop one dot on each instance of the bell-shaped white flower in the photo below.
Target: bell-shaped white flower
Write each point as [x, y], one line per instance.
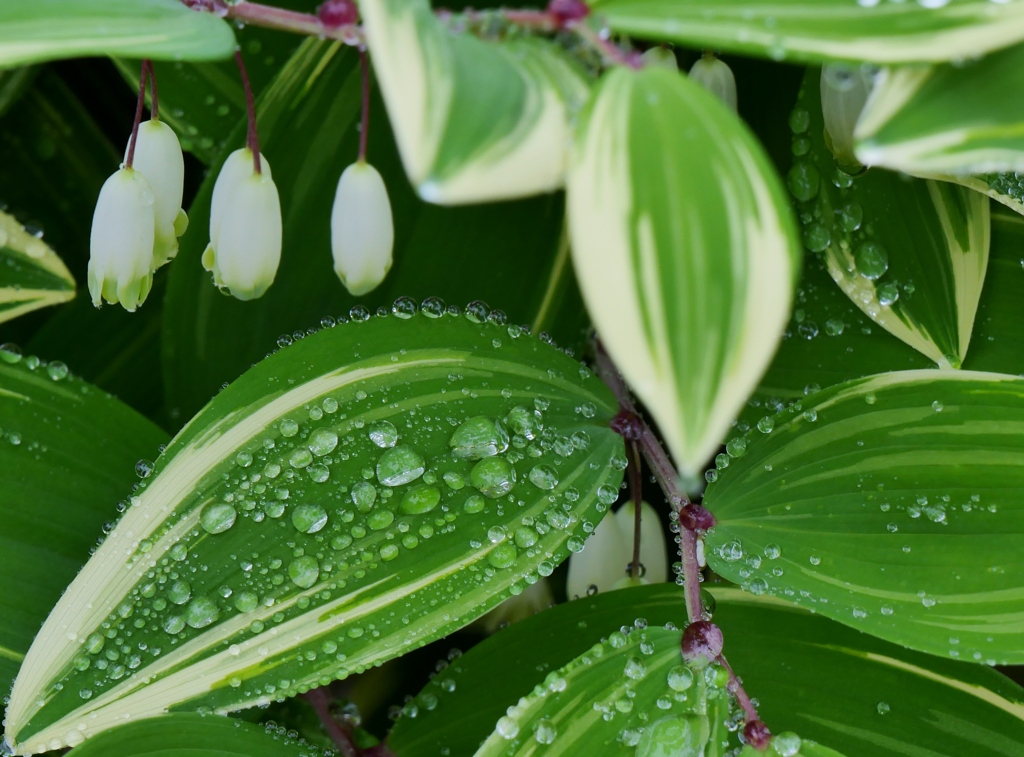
[121, 242]
[660, 57]
[158, 157]
[844, 90]
[716, 77]
[245, 228]
[362, 230]
[603, 564]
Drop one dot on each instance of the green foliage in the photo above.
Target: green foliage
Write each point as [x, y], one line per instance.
[357, 478]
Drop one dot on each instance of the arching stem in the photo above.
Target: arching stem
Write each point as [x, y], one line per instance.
[635, 486]
[154, 106]
[138, 115]
[252, 139]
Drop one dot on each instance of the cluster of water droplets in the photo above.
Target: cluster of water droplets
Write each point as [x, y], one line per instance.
[344, 492]
[10, 354]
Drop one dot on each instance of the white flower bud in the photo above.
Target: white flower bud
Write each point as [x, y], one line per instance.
[602, 562]
[716, 77]
[158, 157]
[844, 90]
[653, 556]
[121, 242]
[245, 228]
[362, 230]
[660, 57]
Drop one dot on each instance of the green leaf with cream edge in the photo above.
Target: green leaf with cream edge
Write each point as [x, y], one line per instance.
[892, 504]
[824, 30]
[31, 274]
[322, 515]
[160, 29]
[628, 695]
[910, 253]
[474, 120]
[948, 119]
[685, 250]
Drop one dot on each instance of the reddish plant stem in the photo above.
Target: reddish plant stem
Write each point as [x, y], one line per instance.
[608, 49]
[130, 158]
[252, 139]
[737, 690]
[636, 489]
[281, 19]
[691, 574]
[154, 107]
[364, 124]
[320, 701]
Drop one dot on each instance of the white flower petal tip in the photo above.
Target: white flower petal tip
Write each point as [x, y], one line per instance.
[158, 157]
[245, 228]
[844, 91]
[362, 229]
[717, 78]
[121, 241]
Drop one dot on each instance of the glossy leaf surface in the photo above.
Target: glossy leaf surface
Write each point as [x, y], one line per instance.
[852, 692]
[910, 253]
[348, 499]
[59, 487]
[893, 505]
[32, 276]
[822, 30]
[474, 120]
[506, 254]
[629, 695]
[191, 735]
[162, 29]
[949, 119]
[685, 250]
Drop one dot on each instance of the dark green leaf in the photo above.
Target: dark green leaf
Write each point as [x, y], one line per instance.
[59, 487]
[258, 560]
[891, 503]
[190, 735]
[507, 254]
[830, 683]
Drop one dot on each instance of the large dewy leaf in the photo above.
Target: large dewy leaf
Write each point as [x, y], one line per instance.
[949, 119]
[910, 253]
[163, 29]
[31, 274]
[193, 735]
[822, 30]
[348, 499]
[628, 695]
[506, 254]
[893, 504]
[57, 486]
[684, 248]
[833, 684]
[474, 120]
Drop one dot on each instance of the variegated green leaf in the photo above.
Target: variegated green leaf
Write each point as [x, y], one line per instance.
[949, 119]
[684, 248]
[348, 499]
[1006, 188]
[823, 30]
[31, 274]
[910, 253]
[628, 695]
[163, 29]
[789, 744]
[891, 503]
[474, 120]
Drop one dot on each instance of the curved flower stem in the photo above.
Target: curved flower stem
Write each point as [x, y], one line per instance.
[364, 124]
[691, 574]
[154, 108]
[252, 139]
[635, 486]
[608, 49]
[130, 158]
[737, 690]
[320, 701]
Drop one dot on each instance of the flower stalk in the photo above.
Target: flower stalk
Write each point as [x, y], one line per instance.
[252, 138]
[134, 138]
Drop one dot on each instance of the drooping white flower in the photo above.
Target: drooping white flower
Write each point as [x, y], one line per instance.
[606, 556]
[121, 241]
[362, 229]
[716, 77]
[158, 157]
[844, 90]
[660, 57]
[245, 227]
